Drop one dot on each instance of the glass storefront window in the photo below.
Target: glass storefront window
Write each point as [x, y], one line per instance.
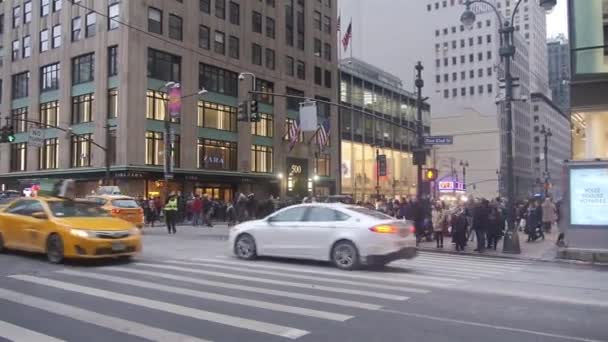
[155, 148]
[589, 37]
[322, 166]
[217, 155]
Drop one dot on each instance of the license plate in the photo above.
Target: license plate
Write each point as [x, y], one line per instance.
[118, 246]
[403, 243]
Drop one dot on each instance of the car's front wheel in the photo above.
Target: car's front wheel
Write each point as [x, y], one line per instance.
[54, 249]
[245, 248]
[345, 255]
[2, 248]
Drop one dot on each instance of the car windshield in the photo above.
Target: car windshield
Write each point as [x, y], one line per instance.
[76, 209]
[125, 203]
[372, 213]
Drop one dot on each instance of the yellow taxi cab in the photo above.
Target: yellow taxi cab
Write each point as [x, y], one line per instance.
[63, 228]
[120, 206]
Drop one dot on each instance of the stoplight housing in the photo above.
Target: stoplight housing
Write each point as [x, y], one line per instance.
[430, 175]
[11, 134]
[243, 113]
[253, 106]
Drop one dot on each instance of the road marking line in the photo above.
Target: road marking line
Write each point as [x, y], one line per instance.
[248, 288]
[278, 282]
[472, 267]
[213, 296]
[490, 326]
[238, 322]
[380, 278]
[480, 259]
[456, 266]
[16, 333]
[108, 322]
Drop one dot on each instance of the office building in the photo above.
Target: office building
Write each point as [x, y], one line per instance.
[559, 72]
[380, 120]
[77, 66]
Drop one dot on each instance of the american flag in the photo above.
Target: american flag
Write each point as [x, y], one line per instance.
[323, 134]
[338, 23]
[347, 36]
[293, 134]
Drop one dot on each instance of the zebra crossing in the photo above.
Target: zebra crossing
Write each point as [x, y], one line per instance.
[221, 298]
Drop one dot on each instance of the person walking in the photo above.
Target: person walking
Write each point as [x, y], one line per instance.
[480, 224]
[493, 230]
[561, 226]
[171, 208]
[197, 209]
[549, 215]
[207, 206]
[439, 223]
[459, 228]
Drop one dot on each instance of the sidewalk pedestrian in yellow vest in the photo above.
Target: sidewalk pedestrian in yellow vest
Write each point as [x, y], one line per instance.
[171, 213]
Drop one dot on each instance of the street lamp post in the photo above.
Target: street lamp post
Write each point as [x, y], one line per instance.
[377, 173]
[546, 132]
[464, 165]
[507, 53]
[419, 83]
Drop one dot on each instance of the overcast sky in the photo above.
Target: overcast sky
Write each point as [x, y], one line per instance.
[557, 21]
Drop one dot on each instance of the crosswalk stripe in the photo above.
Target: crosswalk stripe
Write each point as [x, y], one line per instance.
[16, 333]
[278, 282]
[464, 268]
[471, 264]
[248, 288]
[238, 322]
[440, 270]
[478, 259]
[213, 296]
[108, 322]
[384, 278]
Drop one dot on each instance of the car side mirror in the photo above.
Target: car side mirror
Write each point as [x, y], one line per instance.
[39, 215]
[271, 219]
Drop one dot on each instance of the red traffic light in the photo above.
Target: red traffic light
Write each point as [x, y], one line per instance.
[430, 175]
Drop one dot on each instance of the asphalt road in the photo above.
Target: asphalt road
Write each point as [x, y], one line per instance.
[186, 288]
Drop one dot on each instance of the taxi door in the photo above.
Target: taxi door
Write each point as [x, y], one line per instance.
[34, 229]
[12, 223]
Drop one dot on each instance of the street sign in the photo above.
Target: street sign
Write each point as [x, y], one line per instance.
[439, 140]
[382, 165]
[35, 137]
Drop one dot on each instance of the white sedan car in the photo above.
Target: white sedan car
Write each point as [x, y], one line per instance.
[346, 235]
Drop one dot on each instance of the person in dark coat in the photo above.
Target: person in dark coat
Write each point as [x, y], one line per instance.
[480, 224]
[459, 228]
[493, 228]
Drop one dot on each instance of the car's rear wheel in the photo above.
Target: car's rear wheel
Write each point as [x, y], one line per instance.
[54, 249]
[345, 255]
[245, 248]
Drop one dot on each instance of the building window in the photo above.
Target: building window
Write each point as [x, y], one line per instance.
[489, 88]
[217, 116]
[322, 166]
[111, 145]
[16, 16]
[217, 155]
[235, 13]
[266, 87]
[18, 116]
[301, 70]
[83, 69]
[18, 157]
[164, 66]
[49, 77]
[446, 93]
[219, 43]
[454, 92]
[326, 24]
[480, 89]
[480, 72]
[82, 108]
[27, 12]
[80, 150]
[112, 103]
[294, 103]
[220, 9]
[472, 90]
[156, 105]
[44, 40]
[56, 42]
[289, 65]
[20, 85]
[263, 127]
[113, 60]
[113, 15]
[16, 50]
[327, 79]
[261, 159]
[233, 47]
[90, 28]
[270, 59]
[155, 148]
[317, 47]
[48, 155]
[218, 80]
[256, 22]
[316, 20]
[27, 46]
[256, 54]
[270, 28]
[463, 91]
[205, 6]
[204, 37]
[175, 27]
[489, 53]
[45, 7]
[76, 29]
[327, 51]
[56, 5]
[288, 124]
[155, 20]
[49, 113]
[270, 3]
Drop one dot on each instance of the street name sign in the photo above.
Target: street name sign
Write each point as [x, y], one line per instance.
[439, 140]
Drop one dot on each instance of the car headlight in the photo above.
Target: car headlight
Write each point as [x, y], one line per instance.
[134, 231]
[79, 233]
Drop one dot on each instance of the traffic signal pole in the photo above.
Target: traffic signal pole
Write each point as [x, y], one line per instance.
[419, 128]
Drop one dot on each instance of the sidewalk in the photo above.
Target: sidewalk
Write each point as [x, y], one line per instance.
[540, 250]
[219, 230]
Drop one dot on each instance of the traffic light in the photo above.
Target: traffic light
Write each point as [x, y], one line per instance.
[11, 134]
[253, 110]
[430, 175]
[7, 134]
[243, 114]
